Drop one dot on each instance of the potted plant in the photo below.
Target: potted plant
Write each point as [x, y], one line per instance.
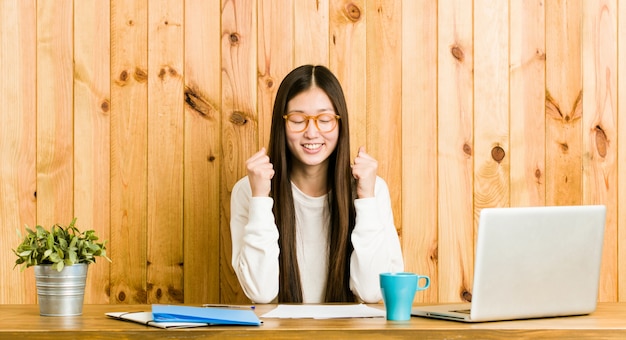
[60, 257]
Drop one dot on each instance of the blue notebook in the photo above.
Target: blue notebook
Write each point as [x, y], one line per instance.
[213, 316]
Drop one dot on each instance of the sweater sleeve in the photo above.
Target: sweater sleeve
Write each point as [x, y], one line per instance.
[376, 244]
[254, 243]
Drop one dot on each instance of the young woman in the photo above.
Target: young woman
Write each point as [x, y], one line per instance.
[306, 225]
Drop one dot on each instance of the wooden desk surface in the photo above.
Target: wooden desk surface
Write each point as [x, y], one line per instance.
[24, 321]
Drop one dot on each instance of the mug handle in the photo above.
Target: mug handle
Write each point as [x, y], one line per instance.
[426, 282]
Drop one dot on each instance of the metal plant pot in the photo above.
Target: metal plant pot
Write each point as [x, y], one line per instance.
[61, 293]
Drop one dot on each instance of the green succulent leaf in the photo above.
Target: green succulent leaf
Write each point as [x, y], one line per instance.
[47, 253]
[58, 266]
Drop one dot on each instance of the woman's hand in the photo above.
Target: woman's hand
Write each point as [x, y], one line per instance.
[364, 171]
[260, 173]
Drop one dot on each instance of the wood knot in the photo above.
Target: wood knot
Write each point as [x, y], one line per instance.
[238, 118]
[196, 102]
[541, 55]
[269, 83]
[124, 76]
[211, 158]
[353, 12]
[175, 294]
[166, 70]
[457, 53]
[497, 153]
[234, 39]
[121, 296]
[564, 147]
[466, 296]
[140, 75]
[467, 149]
[434, 254]
[159, 293]
[537, 173]
[105, 106]
[601, 141]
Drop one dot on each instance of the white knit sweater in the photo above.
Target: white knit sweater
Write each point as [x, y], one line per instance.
[255, 244]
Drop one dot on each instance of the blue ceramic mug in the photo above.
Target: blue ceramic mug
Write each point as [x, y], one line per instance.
[398, 290]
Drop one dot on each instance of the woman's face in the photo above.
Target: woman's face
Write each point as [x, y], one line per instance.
[311, 147]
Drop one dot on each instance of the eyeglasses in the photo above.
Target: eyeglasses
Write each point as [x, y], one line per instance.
[299, 122]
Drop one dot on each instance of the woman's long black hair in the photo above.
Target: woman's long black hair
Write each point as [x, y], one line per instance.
[340, 198]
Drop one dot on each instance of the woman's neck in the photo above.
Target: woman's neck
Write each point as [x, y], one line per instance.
[311, 180]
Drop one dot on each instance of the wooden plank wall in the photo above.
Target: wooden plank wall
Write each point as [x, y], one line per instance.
[136, 116]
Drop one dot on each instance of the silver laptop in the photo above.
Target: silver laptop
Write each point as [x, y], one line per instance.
[532, 262]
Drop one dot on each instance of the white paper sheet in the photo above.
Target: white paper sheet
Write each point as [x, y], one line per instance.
[306, 311]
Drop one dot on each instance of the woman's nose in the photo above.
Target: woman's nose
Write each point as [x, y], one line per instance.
[311, 129]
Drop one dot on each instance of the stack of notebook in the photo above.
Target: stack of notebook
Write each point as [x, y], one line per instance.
[173, 316]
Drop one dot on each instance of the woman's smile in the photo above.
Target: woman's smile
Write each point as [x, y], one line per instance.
[313, 147]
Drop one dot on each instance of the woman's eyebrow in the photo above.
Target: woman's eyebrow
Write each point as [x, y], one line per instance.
[318, 111]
